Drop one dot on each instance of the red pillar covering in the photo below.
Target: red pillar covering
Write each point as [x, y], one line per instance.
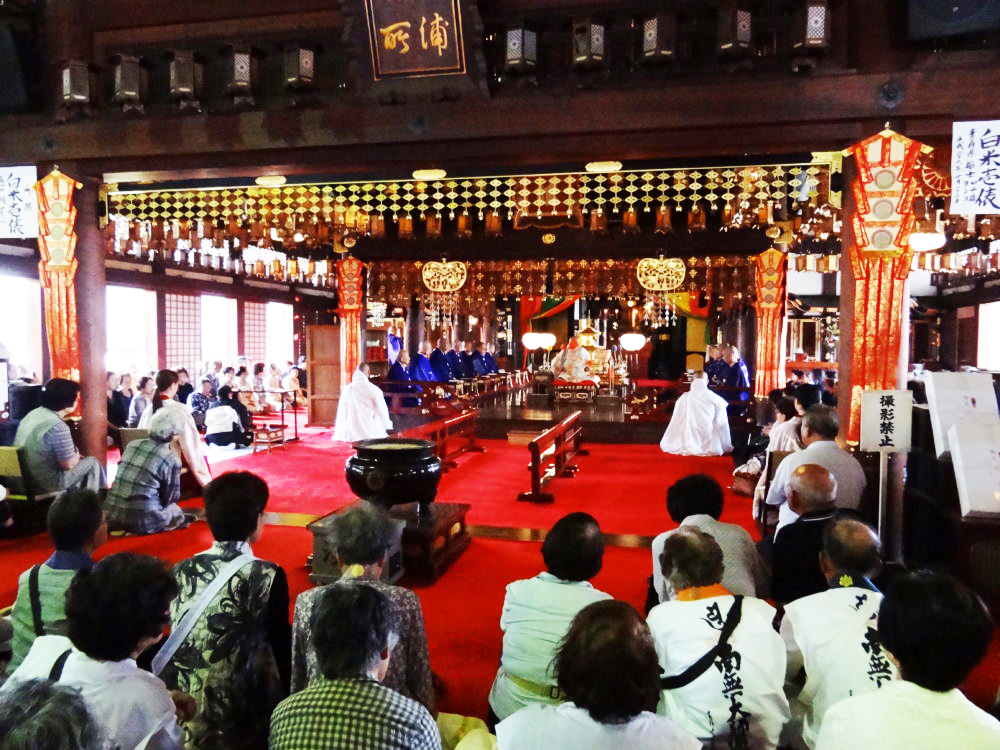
[349, 275]
[57, 271]
[772, 282]
[880, 255]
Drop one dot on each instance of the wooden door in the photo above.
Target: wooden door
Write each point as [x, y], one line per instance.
[323, 361]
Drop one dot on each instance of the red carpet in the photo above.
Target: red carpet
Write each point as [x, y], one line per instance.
[623, 486]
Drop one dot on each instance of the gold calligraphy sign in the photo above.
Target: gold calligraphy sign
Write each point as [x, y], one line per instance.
[660, 274]
[415, 38]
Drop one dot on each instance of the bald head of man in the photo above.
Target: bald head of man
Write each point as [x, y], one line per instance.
[811, 489]
[850, 547]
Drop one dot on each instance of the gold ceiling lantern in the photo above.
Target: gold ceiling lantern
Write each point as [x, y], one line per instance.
[660, 274]
[444, 277]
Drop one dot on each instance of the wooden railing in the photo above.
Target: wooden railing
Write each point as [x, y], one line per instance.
[451, 437]
[551, 454]
[429, 397]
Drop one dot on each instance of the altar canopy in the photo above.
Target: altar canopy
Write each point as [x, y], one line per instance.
[699, 425]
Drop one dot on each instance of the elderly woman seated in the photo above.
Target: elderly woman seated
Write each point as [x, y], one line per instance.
[716, 650]
[538, 611]
[143, 498]
[227, 422]
[606, 667]
[361, 537]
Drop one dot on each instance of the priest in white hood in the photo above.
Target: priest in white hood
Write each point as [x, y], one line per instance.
[699, 425]
[361, 413]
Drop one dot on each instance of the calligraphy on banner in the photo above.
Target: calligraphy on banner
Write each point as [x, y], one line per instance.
[886, 418]
[975, 167]
[18, 202]
[415, 38]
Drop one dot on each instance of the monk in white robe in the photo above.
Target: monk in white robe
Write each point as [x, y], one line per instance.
[699, 425]
[361, 413]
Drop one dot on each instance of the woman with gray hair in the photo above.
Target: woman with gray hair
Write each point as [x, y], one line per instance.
[41, 715]
[143, 498]
[361, 537]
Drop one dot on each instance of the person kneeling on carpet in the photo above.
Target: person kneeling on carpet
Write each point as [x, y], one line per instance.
[538, 611]
[361, 537]
[607, 668]
[227, 422]
[143, 498]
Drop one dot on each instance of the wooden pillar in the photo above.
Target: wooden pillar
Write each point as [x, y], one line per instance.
[847, 293]
[91, 295]
[161, 332]
[241, 348]
[414, 326]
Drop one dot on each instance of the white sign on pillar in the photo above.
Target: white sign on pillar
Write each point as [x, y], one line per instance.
[886, 419]
[975, 167]
[18, 202]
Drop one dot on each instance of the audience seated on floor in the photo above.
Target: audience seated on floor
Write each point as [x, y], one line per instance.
[115, 611]
[184, 387]
[47, 448]
[699, 425]
[77, 527]
[191, 445]
[361, 411]
[143, 498]
[785, 435]
[141, 399]
[607, 669]
[831, 638]
[42, 715]
[353, 634]
[696, 501]
[936, 631]
[361, 537]
[212, 372]
[274, 396]
[537, 613]
[199, 402]
[795, 568]
[819, 430]
[224, 423]
[723, 661]
[291, 383]
[229, 648]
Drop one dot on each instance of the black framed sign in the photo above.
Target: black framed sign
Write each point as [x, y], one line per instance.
[415, 38]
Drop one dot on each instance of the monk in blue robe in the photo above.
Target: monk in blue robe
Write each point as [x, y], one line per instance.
[441, 364]
[420, 366]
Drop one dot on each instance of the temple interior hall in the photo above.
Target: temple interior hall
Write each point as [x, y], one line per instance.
[475, 271]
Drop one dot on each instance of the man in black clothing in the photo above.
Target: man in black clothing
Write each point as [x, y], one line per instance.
[811, 492]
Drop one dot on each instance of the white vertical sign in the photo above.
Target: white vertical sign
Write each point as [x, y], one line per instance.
[975, 167]
[18, 202]
[886, 419]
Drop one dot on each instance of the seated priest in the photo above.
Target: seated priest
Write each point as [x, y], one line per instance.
[733, 372]
[468, 368]
[420, 366]
[572, 366]
[400, 370]
[478, 361]
[455, 361]
[713, 364]
[361, 413]
[441, 363]
[699, 425]
[143, 498]
[489, 360]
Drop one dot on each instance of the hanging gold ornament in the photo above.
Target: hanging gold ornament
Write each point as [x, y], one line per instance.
[660, 274]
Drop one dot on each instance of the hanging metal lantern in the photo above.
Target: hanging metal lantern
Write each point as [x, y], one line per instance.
[659, 37]
[405, 227]
[812, 26]
[521, 49]
[130, 84]
[664, 223]
[186, 78]
[493, 224]
[299, 67]
[735, 26]
[588, 44]
[598, 222]
[630, 222]
[242, 68]
[376, 226]
[433, 224]
[463, 226]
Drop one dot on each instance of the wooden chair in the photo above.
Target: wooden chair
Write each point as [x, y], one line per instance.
[128, 434]
[27, 506]
[767, 516]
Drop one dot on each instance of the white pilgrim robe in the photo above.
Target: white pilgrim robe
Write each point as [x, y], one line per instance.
[747, 697]
[192, 447]
[361, 413]
[832, 634]
[699, 425]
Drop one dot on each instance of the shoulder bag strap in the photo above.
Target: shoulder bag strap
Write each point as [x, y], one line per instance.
[190, 619]
[699, 668]
[35, 595]
[57, 668]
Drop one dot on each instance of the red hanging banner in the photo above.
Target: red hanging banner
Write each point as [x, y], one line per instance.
[349, 294]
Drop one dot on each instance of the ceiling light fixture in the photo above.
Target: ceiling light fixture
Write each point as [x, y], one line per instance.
[429, 174]
[603, 166]
[271, 180]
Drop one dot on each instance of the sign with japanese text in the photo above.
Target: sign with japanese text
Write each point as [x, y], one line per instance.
[18, 203]
[415, 38]
[975, 167]
[886, 417]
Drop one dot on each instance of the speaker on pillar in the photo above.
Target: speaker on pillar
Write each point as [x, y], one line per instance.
[929, 19]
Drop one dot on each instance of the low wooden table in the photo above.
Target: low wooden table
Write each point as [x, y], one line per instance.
[266, 438]
[432, 543]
